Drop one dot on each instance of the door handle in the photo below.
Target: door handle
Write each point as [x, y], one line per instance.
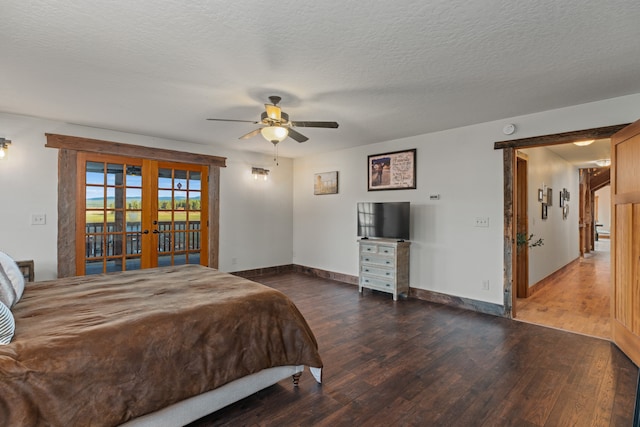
[156, 232]
[145, 232]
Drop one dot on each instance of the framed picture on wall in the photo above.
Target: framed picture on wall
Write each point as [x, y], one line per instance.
[549, 196]
[325, 183]
[544, 211]
[392, 171]
[561, 199]
[540, 194]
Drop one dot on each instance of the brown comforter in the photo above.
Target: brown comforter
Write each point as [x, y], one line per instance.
[100, 350]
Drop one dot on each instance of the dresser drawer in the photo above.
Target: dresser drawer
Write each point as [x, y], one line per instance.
[375, 271]
[377, 260]
[380, 284]
[369, 248]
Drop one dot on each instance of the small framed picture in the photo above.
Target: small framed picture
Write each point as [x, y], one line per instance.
[544, 211]
[325, 183]
[540, 194]
[561, 199]
[549, 196]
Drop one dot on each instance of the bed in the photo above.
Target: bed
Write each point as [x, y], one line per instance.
[161, 346]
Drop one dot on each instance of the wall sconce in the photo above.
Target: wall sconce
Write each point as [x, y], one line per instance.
[4, 148]
[256, 172]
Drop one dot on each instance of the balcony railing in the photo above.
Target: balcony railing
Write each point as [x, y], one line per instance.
[101, 241]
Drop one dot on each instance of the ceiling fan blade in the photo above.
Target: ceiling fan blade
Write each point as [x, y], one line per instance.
[251, 134]
[331, 125]
[273, 111]
[297, 136]
[233, 120]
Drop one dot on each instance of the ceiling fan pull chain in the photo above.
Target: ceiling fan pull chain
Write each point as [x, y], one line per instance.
[275, 154]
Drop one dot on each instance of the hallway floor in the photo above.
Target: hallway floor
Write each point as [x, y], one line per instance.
[577, 299]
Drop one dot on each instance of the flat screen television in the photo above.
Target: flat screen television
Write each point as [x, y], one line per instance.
[386, 220]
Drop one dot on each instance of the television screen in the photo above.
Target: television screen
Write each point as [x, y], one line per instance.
[389, 220]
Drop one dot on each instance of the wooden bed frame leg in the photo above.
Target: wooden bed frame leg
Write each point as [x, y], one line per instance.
[296, 379]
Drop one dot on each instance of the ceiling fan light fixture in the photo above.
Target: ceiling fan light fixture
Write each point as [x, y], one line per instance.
[274, 134]
[584, 143]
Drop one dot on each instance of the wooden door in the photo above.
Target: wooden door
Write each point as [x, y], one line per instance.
[625, 240]
[522, 229]
[135, 213]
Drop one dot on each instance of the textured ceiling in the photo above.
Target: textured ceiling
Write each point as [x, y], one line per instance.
[382, 69]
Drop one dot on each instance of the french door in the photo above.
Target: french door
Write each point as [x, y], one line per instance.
[135, 213]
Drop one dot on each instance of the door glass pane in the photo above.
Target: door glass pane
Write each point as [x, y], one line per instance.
[115, 174]
[165, 179]
[133, 263]
[134, 176]
[194, 258]
[134, 243]
[95, 198]
[164, 242]
[164, 260]
[194, 240]
[179, 241]
[93, 267]
[194, 181]
[180, 179]
[94, 173]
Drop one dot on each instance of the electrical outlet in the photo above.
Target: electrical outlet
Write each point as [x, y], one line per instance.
[482, 221]
[38, 219]
[485, 285]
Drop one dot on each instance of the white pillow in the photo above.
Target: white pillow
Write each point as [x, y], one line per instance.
[14, 274]
[7, 324]
[7, 293]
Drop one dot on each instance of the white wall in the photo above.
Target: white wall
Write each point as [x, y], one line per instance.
[561, 237]
[448, 254]
[604, 208]
[255, 216]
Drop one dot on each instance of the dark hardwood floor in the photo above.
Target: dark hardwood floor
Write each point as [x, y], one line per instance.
[415, 363]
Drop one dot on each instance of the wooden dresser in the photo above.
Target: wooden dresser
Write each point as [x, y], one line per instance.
[384, 266]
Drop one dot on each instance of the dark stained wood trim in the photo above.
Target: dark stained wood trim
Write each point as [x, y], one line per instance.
[109, 147]
[257, 272]
[67, 176]
[421, 294]
[324, 274]
[459, 302]
[214, 215]
[509, 172]
[560, 138]
[509, 148]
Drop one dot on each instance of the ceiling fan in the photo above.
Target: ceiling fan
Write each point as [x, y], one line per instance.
[276, 126]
